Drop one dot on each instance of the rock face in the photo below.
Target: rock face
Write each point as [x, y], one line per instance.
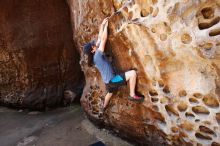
[38, 61]
[175, 47]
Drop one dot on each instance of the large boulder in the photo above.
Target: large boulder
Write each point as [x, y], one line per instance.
[38, 60]
[175, 48]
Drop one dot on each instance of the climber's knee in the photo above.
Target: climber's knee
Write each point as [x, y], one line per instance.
[130, 74]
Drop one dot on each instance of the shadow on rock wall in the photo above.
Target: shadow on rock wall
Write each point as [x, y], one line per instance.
[39, 64]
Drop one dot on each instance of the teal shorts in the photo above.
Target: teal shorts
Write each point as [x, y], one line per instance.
[117, 81]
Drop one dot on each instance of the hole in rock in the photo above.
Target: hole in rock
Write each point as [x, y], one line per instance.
[155, 108]
[215, 144]
[158, 116]
[154, 83]
[206, 46]
[207, 122]
[161, 124]
[94, 94]
[94, 102]
[91, 87]
[186, 38]
[166, 89]
[125, 9]
[164, 99]
[188, 143]
[144, 13]
[151, 10]
[161, 83]
[95, 112]
[170, 109]
[130, 15]
[169, 10]
[117, 5]
[133, 2]
[193, 100]
[197, 95]
[187, 126]
[183, 134]
[189, 115]
[174, 129]
[214, 32]
[200, 110]
[182, 93]
[207, 12]
[206, 130]
[153, 92]
[96, 108]
[218, 118]
[163, 37]
[182, 106]
[197, 120]
[154, 99]
[155, 12]
[208, 25]
[153, 30]
[168, 28]
[154, 1]
[210, 100]
[202, 136]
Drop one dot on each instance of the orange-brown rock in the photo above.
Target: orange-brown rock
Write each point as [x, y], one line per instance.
[38, 61]
[174, 46]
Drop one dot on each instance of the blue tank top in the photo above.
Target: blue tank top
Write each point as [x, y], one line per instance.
[103, 66]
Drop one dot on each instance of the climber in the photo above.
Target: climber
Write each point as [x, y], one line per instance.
[95, 52]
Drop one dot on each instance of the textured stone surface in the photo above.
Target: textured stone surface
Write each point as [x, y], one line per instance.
[175, 47]
[38, 61]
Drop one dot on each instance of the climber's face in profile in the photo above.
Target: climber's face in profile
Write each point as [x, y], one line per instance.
[94, 47]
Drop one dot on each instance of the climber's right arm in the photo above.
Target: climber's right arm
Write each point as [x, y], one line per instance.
[104, 38]
[101, 31]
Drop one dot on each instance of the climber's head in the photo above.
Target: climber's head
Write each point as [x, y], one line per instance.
[89, 49]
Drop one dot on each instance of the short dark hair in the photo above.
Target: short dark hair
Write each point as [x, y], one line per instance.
[87, 50]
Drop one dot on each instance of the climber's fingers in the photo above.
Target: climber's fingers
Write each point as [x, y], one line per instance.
[105, 20]
[106, 24]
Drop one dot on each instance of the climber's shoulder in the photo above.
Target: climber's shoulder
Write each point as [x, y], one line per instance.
[101, 48]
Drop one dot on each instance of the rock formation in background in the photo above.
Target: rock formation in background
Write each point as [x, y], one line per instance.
[38, 61]
[175, 47]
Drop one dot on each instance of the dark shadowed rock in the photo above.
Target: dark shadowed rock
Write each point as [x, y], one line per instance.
[38, 59]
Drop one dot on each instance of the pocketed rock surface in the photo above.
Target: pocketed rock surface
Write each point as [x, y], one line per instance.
[175, 47]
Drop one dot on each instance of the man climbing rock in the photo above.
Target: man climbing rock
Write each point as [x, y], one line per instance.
[95, 52]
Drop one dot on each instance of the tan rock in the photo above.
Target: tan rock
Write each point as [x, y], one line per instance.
[174, 45]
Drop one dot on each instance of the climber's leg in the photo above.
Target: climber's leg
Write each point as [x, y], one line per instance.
[131, 76]
[107, 98]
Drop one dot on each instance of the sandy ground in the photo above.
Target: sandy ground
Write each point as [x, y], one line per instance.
[61, 127]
